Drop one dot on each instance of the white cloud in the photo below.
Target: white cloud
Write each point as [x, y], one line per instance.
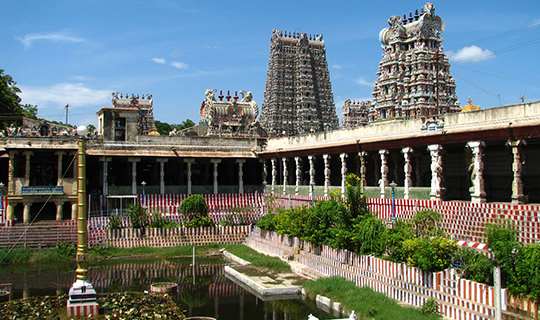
[336, 66]
[179, 65]
[472, 53]
[363, 82]
[29, 39]
[58, 95]
[159, 60]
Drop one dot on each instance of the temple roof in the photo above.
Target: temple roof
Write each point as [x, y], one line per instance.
[470, 107]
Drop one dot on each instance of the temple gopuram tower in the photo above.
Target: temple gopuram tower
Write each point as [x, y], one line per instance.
[414, 78]
[298, 98]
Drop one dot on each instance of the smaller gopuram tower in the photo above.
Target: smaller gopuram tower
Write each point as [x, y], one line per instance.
[414, 78]
[298, 98]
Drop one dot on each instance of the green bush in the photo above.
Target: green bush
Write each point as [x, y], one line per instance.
[115, 222]
[401, 230]
[368, 236]
[430, 254]
[527, 271]
[504, 246]
[159, 221]
[194, 204]
[356, 201]
[66, 249]
[427, 223]
[476, 266]
[137, 216]
[15, 255]
[431, 306]
[266, 222]
[200, 222]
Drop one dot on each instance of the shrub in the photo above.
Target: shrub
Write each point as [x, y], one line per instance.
[266, 222]
[401, 230]
[199, 221]
[15, 255]
[115, 222]
[368, 236]
[66, 249]
[475, 266]
[427, 223]
[194, 204]
[527, 275]
[430, 254]
[502, 243]
[159, 221]
[137, 215]
[356, 201]
[431, 306]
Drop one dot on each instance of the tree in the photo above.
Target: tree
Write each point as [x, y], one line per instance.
[164, 128]
[10, 102]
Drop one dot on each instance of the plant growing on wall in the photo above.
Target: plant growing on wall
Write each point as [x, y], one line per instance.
[431, 254]
[199, 221]
[427, 223]
[195, 205]
[137, 215]
[115, 222]
[159, 221]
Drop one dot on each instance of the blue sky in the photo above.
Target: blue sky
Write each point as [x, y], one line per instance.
[79, 52]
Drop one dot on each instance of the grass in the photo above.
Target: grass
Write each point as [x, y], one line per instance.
[367, 303]
[257, 259]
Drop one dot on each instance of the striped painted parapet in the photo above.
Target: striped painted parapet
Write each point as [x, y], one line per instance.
[464, 220]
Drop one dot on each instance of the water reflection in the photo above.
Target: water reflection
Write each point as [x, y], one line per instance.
[202, 289]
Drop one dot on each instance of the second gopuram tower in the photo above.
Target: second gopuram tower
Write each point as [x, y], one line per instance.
[414, 79]
[298, 98]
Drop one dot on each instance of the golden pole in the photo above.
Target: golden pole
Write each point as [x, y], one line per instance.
[82, 239]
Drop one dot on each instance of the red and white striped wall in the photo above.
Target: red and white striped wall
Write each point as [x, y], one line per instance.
[459, 298]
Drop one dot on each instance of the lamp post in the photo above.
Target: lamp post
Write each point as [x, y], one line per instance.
[82, 296]
[143, 184]
[393, 185]
[1, 189]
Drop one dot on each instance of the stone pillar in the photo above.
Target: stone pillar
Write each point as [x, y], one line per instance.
[327, 173]
[264, 172]
[162, 162]
[418, 168]
[189, 162]
[105, 185]
[215, 162]
[343, 157]
[134, 174]
[363, 168]
[407, 169]
[285, 174]
[476, 168]
[59, 211]
[27, 215]
[28, 154]
[11, 172]
[74, 210]
[518, 197]
[10, 212]
[274, 174]
[241, 175]
[60, 173]
[383, 182]
[311, 170]
[298, 162]
[436, 171]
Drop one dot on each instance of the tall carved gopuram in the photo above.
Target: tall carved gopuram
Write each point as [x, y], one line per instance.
[414, 78]
[298, 98]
